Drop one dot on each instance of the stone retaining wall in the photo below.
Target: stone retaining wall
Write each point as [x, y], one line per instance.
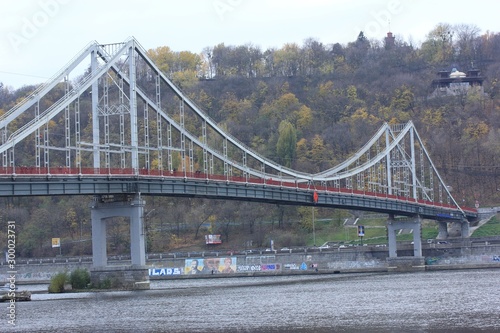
[344, 260]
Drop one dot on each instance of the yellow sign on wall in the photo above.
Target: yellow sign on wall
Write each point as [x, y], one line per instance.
[56, 242]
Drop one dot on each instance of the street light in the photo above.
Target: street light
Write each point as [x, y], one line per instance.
[82, 222]
[314, 230]
[145, 227]
[145, 219]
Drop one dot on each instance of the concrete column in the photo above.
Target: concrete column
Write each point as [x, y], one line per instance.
[391, 234]
[417, 241]
[465, 229]
[134, 210]
[137, 234]
[443, 230]
[393, 226]
[99, 254]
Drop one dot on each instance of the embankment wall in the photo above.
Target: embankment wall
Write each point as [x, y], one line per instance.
[355, 259]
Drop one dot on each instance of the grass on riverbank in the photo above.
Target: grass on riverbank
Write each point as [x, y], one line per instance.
[491, 228]
[375, 232]
[331, 230]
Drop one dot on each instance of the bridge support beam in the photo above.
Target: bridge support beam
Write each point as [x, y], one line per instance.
[453, 229]
[99, 255]
[465, 229]
[443, 230]
[393, 226]
[128, 278]
[405, 263]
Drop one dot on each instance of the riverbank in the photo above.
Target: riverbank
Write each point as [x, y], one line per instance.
[361, 259]
[441, 267]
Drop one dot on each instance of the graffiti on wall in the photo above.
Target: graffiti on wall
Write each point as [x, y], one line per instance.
[165, 271]
[258, 268]
[226, 265]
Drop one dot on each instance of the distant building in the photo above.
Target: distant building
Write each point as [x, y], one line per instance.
[454, 82]
[389, 40]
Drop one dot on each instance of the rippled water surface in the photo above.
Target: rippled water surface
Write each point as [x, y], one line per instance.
[446, 301]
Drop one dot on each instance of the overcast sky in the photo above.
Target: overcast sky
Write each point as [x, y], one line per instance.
[38, 37]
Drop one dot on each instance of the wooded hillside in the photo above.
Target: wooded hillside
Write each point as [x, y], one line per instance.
[309, 107]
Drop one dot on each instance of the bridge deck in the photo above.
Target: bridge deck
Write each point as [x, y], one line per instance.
[30, 181]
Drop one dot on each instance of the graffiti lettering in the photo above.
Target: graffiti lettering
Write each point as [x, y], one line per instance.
[249, 268]
[271, 267]
[164, 271]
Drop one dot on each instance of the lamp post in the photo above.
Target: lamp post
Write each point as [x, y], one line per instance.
[82, 222]
[145, 226]
[314, 230]
[145, 219]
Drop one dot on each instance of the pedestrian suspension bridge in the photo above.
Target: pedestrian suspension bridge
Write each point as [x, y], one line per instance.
[121, 130]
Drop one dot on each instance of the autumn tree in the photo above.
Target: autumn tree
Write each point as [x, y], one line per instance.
[438, 47]
[306, 217]
[35, 236]
[317, 59]
[272, 114]
[287, 61]
[356, 52]
[466, 43]
[183, 64]
[287, 141]
[320, 155]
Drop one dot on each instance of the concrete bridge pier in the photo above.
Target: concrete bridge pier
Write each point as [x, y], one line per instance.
[465, 229]
[453, 229]
[411, 263]
[136, 275]
[443, 230]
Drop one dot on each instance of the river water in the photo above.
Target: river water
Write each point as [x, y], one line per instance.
[443, 301]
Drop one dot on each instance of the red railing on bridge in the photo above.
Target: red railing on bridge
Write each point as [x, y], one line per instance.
[130, 172]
